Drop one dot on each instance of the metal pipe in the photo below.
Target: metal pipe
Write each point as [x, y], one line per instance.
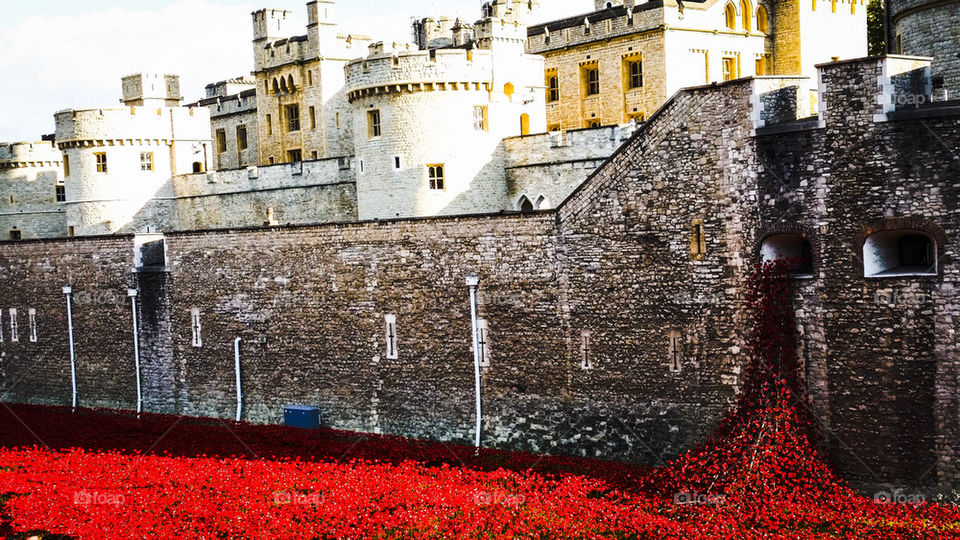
[132, 293]
[73, 356]
[472, 282]
[236, 355]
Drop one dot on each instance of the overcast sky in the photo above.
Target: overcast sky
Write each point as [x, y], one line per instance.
[61, 54]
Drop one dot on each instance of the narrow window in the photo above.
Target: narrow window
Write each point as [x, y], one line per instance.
[14, 333]
[221, 141]
[763, 23]
[61, 192]
[730, 14]
[674, 351]
[242, 138]
[313, 155]
[66, 165]
[524, 124]
[1, 326]
[15, 234]
[269, 126]
[309, 78]
[437, 178]
[313, 117]
[586, 351]
[146, 159]
[634, 74]
[591, 79]
[761, 66]
[270, 160]
[196, 341]
[391, 335]
[746, 14]
[729, 68]
[483, 343]
[480, 118]
[71, 231]
[101, 158]
[553, 88]
[337, 120]
[396, 162]
[293, 117]
[373, 124]
[698, 243]
[32, 316]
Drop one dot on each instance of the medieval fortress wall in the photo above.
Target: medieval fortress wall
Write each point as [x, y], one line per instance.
[30, 174]
[613, 317]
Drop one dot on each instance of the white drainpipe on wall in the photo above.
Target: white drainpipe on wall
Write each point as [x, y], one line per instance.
[73, 357]
[472, 282]
[132, 293]
[236, 355]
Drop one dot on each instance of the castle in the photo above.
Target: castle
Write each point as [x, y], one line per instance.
[611, 324]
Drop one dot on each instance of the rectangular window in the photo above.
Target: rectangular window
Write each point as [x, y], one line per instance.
[591, 80]
[60, 191]
[293, 117]
[729, 68]
[313, 117]
[396, 162]
[480, 118]
[101, 158]
[391, 335]
[196, 340]
[437, 178]
[242, 138]
[66, 165]
[269, 126]
[15, 234]
[483, 343]
[309, 78]
[337, 120]
[674, 351]
[294, 156]
[14, 333]
[553, 88]
[634, 74]
[698, 242]
[32, 316]
[146, 160]
[586, 351]
[70, 231]
[373, 124]
[221, 141]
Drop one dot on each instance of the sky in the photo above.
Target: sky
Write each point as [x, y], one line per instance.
[63, 54]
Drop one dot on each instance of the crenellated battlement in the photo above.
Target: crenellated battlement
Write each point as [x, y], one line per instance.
[404, 68]
[41, 154]
[116, 125]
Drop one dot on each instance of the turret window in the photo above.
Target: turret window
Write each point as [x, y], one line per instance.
[437, 176]
[101, 158]
[373, 124]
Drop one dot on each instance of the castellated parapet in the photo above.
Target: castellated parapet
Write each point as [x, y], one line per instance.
[115, 160]
[151, 90]
[31, 184]
[428, 127]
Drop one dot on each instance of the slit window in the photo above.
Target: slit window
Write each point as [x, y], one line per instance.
[483, 343]
[14, 332]
[196, 339]
[674, 351]
[313, 117]
[66, 165]
[437, 176]
[373, 124]
[221, 141]
[586, 349]
[391, 336]
[32, 320]
[269, 126]
[899, 253]
[698, 241]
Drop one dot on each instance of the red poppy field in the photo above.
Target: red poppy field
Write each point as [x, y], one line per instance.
[761, 474]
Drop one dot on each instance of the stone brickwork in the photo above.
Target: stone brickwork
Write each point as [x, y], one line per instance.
[233, 122]
[30, 173]
[928, 28]
[616, 323]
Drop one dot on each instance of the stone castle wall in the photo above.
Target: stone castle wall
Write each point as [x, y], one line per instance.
[928, 28]
[583, 305]
[29, 174]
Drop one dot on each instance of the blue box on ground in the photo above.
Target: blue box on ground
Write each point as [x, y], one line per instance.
[301, 416]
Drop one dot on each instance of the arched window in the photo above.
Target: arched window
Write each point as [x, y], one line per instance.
[508, 91]
[524, 124]
[290, 84]
[763, 24]
[746, 14]
[730, 14]
[276, 85]
[902, 252]
[197, 167]
[542, 203]
[793, 247]
[524, 204]
[283, 84]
